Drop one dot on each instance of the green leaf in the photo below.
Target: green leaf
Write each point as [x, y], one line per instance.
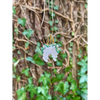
[21, 94]
[72, 33]
[28, 33]
[16, 30]
[80, 50]
[55, 71]
[38, 50]
[73, 86]
[83, 79]
[18, 52]
[35, 59]
[30, 59]
[18, 78]
[14, 76]
[59, 63]
[70, 78]
[58, 78]
[56, 21]
[70, 49]
[63, 55]
[79, 56]
[40, 97]
[71, 44]
[26, 44]
[22, 21]
[50, 23]
[26, 71]
[62, 87]
[30, 80]
[43, 90]
[67, 69]
[45, 79]
[14, 59]
[12, 10]
[85, 5]
[50, 64]
[58, 35]
[55, 40]
[38, 44]
[56, 7]
[38, 60]
[60, 44]
[55, 28]
[76, 98]
[32, 91]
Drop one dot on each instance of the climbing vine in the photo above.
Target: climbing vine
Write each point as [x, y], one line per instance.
[57, 83]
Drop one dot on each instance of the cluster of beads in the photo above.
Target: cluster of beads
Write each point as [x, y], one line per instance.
[52, 50]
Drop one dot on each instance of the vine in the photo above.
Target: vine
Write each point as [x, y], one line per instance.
[67, 89]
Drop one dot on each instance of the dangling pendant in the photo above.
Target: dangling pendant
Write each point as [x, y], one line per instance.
[50, 48]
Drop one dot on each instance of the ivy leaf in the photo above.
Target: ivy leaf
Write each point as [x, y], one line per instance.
[32, 90]
[28, 33]
[38, 50]
[55, 28]
[40, 97]
[67, 69]
[79, 56]
[69, 97]
[76, 98]
[45, 79]
[43, 90]
[84, 96]
[50, 64]
[12, 10]
[18, 78]
[82, 63]
[14, 59]
[16, 30]
[63, 55]
[59, 63]
[35, 59]
[56, 21]
[58, 35]
[18, 52]
[58, 78]
[22, 21]
[26, 44]
[73, 86]
[83, 79]
[62, 87]
[38, 60]
[30, 80]
[38, 44]
[56, 7]
[30, 59]
[26, 71]
[21, 94]
[55, 71]
[50, 23]
[71, 44]
[70, 78]
[72, 33]
[14, 76]
[60, 44]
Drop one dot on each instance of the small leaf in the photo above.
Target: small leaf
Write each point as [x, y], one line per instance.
[58, 35]
[72, 33]
[67, 69]
[38, 44]
[14, 11]
[51, 23]
[26, 44]
[71, 44]
[59, 63]
[18, 52]
[83, 79]
[50, 64]
[56, 7]
[79, 56]
[56, 21]
[26, 71]
[16, 30]
[60, 44]
[38, 50]
[30, 59]
[63, 55]
[14, 76]
[18, 78]
[30, 80]
[22, 21]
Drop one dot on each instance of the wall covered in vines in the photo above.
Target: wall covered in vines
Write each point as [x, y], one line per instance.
[49, 49]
